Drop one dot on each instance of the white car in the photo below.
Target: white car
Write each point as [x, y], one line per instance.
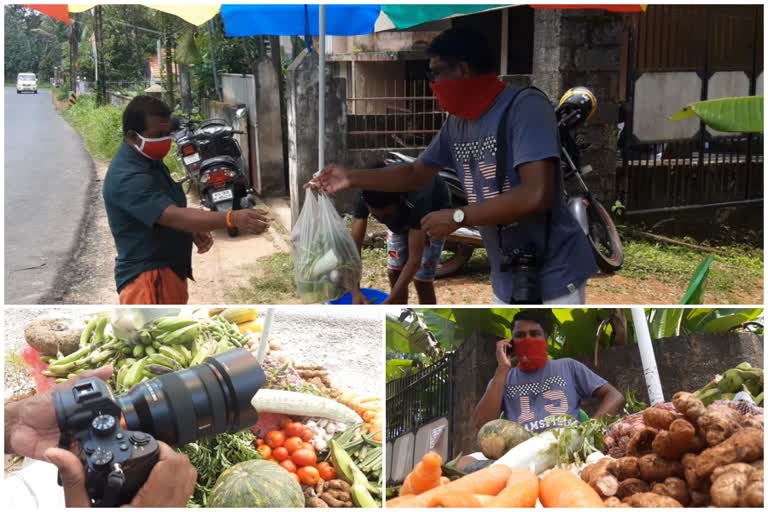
[26, 82]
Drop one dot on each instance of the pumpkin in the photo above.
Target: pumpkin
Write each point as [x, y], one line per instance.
[497, 437]
[256, 484]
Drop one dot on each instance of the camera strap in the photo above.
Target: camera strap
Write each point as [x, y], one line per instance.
[501, 161]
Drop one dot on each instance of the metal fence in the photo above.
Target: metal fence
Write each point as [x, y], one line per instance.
[397, 114]
[416, 400]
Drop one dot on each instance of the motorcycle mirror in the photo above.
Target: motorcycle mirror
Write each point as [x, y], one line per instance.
[241, 113]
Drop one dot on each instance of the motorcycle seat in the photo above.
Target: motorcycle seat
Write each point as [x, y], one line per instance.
[218, 161]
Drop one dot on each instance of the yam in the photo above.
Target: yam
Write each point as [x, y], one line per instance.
[631, 486]
[642, 442]
[658, 418]
[601, 476]
[656, 469]
[674, 488]
[629, 467]
[673, 443]
[719, 423]
[745, 445]
[51, 335]
[652, 500]
[689, 406]
[753, 497]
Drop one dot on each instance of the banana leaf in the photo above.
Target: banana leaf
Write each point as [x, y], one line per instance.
[403, 340]
[695, 290]
[718, 320]
[397, 368]
[735, 115]
[186, 49]
[665, 322]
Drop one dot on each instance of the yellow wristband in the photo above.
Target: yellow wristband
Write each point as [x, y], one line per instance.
[229, 219]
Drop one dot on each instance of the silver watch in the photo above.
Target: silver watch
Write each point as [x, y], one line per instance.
[458, 216]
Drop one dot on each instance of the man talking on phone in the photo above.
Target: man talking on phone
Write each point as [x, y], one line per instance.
[540, 393]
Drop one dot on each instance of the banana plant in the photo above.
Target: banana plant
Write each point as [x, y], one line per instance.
[695, 291]
[742, 114]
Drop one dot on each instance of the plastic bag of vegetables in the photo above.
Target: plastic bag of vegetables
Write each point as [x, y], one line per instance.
[326, 260]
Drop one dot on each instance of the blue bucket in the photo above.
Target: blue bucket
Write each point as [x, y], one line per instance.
[373, 296]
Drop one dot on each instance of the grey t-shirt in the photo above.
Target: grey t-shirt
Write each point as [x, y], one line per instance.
[539, 400]
[470, 148]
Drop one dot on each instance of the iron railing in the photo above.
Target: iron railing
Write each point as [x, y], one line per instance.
[395, 115]
[420, 398]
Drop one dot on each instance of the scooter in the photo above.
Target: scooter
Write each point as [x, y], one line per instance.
[591, 215]
[212, 160]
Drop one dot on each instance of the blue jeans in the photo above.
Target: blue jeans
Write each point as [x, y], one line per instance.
[397, 251]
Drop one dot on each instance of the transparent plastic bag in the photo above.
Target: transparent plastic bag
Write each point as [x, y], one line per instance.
[325, 257]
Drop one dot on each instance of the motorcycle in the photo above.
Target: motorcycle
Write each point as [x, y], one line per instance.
[212, 161]
[576, 106]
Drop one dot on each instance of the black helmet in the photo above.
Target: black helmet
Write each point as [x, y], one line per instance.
[576, 106]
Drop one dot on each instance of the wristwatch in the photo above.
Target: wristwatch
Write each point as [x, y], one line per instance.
[458, 216]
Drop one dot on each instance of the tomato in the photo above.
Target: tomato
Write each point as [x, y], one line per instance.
[307, 435]
[284, 423]
[259, 442]
[294, 429]
[280, 454]
[304, 457]
[308, 475]
[296, 477]
[288, 466]
[265, 451]
[326, 471]
[308, 446]
[275, 439]
[293, 443]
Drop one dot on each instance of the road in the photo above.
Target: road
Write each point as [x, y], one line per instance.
[47, 176]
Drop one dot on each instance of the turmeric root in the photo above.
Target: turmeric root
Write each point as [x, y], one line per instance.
[671, 444]
[651, 500]
[601, 476]
[689, 406]
[746, 445]
[629, 467]
[614, 502]
[658, 418]
[631, 486]
[674, 488]
[719, 423]
[656, 469]
[642, 442]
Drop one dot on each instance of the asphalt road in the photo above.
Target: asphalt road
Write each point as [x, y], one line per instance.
[47, 176]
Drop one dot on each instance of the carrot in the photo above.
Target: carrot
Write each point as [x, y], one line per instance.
[424, 476]
[460, 501]
[521, 491]
[489, 481]
[394, 502]
[444, 480]
[563, 489]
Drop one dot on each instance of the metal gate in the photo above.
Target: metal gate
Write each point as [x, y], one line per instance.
[676, 55]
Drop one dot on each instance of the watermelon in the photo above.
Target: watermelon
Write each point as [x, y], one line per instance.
[256, 484]
[497, 437]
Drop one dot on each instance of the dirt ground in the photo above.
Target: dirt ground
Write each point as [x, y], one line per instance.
[90, 278]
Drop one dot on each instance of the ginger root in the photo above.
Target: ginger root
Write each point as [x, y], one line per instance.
[614, 502]
[674, 488]
[629, 467]
[719, 423]
[689, 406]
[641, 442]
[601, 476]
[753, 497]
[652, 500]
[656, 469]
[671, 444]
[658, 418]
[338, 484]
[316, 503]
[631, 486]
[746, 445]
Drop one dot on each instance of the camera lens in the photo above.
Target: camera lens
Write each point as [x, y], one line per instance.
[211, 398]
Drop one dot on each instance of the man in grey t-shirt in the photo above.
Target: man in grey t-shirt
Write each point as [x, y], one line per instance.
[540, 394]
[530, 200]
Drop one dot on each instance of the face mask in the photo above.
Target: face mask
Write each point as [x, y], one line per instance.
[154, 149]
[531, 354]
[469, 98]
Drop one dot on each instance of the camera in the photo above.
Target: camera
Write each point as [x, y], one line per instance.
[117, 436]
[524, 264]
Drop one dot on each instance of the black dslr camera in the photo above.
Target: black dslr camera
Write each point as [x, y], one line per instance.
[524, 263]
[117, 436]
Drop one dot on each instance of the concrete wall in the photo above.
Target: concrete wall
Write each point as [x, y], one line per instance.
[383, 42]
[685, 363]
[583, 47]
[269, 129]
[377, 79]
[302, 103]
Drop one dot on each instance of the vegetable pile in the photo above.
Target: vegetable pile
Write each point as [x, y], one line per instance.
[307, 448]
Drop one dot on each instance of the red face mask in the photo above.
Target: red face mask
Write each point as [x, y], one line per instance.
[469, 98]
[154, 149]
[531, 354]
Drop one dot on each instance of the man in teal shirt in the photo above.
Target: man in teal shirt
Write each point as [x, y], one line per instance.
[148, 215]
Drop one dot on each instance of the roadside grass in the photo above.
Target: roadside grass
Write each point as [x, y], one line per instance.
[101, 128]
[734, 274]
